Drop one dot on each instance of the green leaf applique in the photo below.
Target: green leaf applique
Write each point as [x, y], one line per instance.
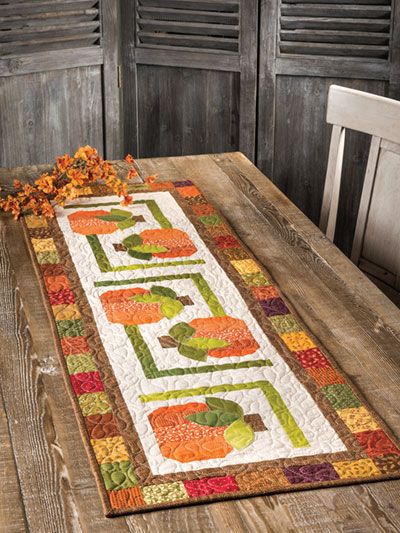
[121, 213]
[163, 291]
[217, 404]
[125, 224]
[170, 308]
[111, 218]
[212, 418]
[192, 353]
[132, 240]
[239, 434]
[149, 248]
[139, 255]
[206, 343]
[181, 331]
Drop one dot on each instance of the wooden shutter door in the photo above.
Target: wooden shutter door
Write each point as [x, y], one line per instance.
[305, 46]
[58, 79]
[189, 76]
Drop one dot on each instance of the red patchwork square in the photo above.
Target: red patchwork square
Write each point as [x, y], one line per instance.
[376, 443]
[227, 241]
[210, 485]
[85, 382]
[64, 296]
[312, 358]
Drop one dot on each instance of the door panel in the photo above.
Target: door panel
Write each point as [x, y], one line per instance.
[58, 79]
[304, 48]
[203, 116]
[189, 76]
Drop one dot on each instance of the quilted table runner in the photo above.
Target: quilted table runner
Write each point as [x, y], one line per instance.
[191, 378]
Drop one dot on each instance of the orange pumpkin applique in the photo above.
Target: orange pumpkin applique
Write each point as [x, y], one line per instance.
[163, 243]
[140, 306]
[219, 337]
[100, 222]
[184, 440]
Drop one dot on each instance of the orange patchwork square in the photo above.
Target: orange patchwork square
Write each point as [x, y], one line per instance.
[203, 209]
[325, 376]
[126, 498]
[268, 479]
[56, 283]
[298, 340]
[265, 293]
[74, 345]
[189, 191]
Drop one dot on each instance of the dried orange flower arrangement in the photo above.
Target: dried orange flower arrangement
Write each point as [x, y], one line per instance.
[67, 180]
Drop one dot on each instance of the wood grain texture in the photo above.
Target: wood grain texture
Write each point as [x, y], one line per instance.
[49, 113]
[350, 316]
[300, 123]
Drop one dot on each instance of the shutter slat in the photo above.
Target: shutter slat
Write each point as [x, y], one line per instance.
[208, 25]
[189, 41]
[201, 5]
[157, 13]
[346, 50]
[37, 26]
[189, 28]
[328, 36]
[343, 28]
[351, 2]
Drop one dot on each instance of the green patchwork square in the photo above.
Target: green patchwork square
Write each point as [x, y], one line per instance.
[165, 492]
[70, 328]
[94, 403]
[211, 220]
[80, 363]
[256, 279]
[47, 258]
[118, 476]
[340, 396]
[285, 324]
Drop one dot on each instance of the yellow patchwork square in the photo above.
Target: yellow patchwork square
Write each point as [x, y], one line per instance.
[358, 419]
[85, 191]
[35, 221]
[66, 312]
[43, 245]
[246, 266]
[356, 469]
[297, 340]
[110, 450]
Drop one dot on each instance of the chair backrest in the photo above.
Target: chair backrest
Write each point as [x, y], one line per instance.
[376, 245]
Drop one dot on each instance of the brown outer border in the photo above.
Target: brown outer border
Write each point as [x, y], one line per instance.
[120, 410]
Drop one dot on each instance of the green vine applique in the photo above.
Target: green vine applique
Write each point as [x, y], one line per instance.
[239, 434]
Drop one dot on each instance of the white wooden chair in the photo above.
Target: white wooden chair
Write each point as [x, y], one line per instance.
[376, 245]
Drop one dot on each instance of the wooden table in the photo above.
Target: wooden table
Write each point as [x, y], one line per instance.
[47, 484]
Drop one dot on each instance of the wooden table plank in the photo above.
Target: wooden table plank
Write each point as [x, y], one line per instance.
[351, 317]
